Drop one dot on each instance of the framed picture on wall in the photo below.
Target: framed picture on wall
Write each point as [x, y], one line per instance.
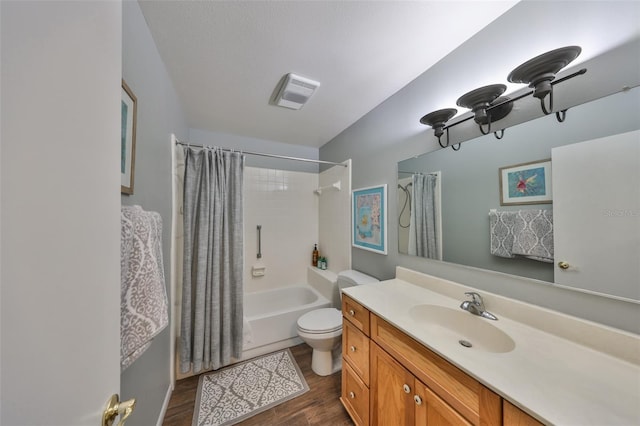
[369, 216]
[127, 139]
[526, 183]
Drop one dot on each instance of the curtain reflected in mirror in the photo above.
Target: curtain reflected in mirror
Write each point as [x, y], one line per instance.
[419, 223]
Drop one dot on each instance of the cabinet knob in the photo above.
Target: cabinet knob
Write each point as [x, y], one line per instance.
[417, 399]
[352, 395]
[352, 312]
[406, 388]
[352, 348]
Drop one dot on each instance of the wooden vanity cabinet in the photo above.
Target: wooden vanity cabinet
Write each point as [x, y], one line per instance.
[513, 416]
[355, 361]
[452, 387]
[388, 378]
[399, 398]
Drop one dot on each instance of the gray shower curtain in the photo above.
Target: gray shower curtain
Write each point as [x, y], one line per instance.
[423, 231]
[212, 289]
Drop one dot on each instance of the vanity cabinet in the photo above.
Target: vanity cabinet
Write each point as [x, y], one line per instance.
[442, 393]
[388, 378]
[513, 416]
[398, 397]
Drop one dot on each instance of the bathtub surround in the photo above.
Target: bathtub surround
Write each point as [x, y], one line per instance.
[282, 202]
[324, 282]
[212, 291]
[241, 391]
[334, 213]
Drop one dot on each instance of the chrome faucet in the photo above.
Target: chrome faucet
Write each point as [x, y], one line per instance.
[476, 306]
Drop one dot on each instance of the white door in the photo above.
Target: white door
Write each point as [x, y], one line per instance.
[596, 214]
[60, 211]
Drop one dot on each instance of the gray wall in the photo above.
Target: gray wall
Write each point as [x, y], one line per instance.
[159, 115]
[387, 135]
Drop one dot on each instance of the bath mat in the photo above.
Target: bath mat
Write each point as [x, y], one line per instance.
[242, 390]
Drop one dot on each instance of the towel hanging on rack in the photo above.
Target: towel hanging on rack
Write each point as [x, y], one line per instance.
[144, 304]
[527, 233]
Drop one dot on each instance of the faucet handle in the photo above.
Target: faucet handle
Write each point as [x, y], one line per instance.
[475, 298]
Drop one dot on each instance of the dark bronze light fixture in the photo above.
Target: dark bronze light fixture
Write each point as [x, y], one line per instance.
[498, 110]
[489, 106]
[540, 71]
[479, 100]
[437, 120]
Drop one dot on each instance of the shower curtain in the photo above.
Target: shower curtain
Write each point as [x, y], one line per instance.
[212, 288]
[423, 227]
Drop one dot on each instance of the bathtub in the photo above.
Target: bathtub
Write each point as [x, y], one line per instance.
[272, 317]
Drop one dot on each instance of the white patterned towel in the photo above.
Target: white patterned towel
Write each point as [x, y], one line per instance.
[527, 233]
[533, 235]
[143, 297]
[501, 233]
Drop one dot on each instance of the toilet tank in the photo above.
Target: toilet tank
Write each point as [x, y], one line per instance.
[352, 278]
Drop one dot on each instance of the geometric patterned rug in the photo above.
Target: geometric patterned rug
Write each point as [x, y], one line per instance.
[242, 390]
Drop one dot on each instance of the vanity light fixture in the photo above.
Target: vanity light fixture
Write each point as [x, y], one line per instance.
[489, 106]
[540, 71]
[479, 100]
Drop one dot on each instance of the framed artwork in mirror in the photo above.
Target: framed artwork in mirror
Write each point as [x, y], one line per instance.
[128, 112]
[369, 216]
[526, 183]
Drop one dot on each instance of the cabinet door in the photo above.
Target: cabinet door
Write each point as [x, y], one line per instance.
[391, 390]
[431, 410]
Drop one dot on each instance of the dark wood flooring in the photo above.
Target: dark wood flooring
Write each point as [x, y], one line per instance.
[319, 406]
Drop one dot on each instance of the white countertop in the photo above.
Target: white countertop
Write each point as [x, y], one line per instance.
[553, 378]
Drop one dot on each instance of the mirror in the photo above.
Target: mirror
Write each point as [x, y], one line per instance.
[456, 209]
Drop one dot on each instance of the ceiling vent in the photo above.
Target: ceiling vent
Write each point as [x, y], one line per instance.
[295, 91]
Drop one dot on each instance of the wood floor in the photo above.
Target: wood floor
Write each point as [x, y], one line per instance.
[319, 406]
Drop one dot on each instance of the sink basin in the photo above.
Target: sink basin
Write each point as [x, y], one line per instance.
[462, 326]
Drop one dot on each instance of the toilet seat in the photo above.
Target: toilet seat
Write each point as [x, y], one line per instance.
[320, 321]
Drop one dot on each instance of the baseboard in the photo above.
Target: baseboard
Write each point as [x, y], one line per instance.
[165, 405]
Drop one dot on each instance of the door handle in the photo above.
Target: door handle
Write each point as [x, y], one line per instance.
[116, 408]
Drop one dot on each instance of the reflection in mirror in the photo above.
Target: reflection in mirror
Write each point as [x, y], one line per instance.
[470, 190]
[419, 198]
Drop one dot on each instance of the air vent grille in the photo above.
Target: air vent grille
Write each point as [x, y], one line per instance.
[295, 91]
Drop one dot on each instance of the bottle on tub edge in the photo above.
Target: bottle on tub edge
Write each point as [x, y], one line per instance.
[315, 255]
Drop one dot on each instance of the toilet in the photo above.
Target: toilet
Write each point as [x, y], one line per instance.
[322, 328]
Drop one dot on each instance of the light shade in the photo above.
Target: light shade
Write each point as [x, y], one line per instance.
[437, 119]
[480, 99]
[541, 70]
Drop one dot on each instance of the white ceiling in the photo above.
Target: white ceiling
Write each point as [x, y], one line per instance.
[225, 58]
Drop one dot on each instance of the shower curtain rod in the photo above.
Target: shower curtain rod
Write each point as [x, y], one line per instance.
[263, 154]
[418, 173]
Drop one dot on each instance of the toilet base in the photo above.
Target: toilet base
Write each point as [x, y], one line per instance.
[326, 363]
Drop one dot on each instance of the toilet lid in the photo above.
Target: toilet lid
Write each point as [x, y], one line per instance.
[323, 320]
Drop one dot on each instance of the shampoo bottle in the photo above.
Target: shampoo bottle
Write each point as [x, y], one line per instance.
[315, 255]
